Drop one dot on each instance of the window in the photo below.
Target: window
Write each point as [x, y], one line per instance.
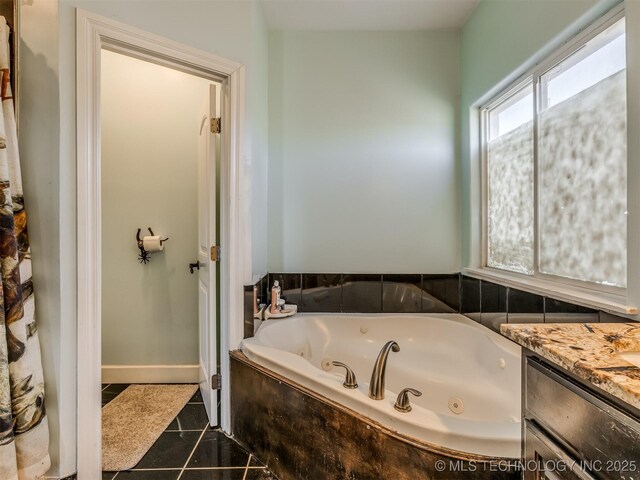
[556, 179]
[510, 183]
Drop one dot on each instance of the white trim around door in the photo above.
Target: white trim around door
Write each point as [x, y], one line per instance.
[93, 34]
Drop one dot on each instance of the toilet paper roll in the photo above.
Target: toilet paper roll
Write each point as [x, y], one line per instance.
[152, 243]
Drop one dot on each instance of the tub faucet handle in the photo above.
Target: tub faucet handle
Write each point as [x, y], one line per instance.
[402, 403]
[350, 377]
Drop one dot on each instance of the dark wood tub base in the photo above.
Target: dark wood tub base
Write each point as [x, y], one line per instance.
[303, 436]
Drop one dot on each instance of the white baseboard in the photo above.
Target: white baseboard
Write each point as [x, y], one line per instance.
[150, 374]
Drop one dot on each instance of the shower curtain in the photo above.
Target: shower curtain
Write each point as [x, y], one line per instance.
[24, 433]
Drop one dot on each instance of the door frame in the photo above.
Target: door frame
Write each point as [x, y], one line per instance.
[93, 33]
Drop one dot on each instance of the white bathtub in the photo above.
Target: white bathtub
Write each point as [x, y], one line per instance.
[446, 356]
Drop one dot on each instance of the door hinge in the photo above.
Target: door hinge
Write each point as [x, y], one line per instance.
[216, 381]
[216, 125]
[215, 253]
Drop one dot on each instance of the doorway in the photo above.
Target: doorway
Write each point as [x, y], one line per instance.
[95, 34]
[159, 164]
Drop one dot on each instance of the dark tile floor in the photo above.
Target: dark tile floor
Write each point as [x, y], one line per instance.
[190, 450]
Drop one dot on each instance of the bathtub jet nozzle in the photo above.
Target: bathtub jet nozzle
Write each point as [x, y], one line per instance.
[376, 386]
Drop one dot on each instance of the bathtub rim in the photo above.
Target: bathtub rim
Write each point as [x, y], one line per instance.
[426, 446]
[505, 438]
[497, 338]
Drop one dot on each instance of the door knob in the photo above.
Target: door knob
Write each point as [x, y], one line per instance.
[192, 266]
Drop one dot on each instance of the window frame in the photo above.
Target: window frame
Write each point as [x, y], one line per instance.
[546, 281]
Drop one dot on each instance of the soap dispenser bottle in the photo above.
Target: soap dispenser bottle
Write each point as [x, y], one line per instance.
[275, 297]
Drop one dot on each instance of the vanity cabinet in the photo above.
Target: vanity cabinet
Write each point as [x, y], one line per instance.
[541, 452]
[573, 432]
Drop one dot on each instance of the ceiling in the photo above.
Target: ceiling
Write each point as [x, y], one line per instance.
[366, 14]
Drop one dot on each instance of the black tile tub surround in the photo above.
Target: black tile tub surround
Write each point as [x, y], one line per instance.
[321, 292]
[492, 304]
[524, 307]
[402, 293]
[248, 311]
[484, 302]
[493, 309]
[557, 311]
[260, 287]
[441, 293]
[374, 293]
[606, 317]
[362, 293]
[470, 301]
[263, 290]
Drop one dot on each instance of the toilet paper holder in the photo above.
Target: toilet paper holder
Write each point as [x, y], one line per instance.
[145, 256]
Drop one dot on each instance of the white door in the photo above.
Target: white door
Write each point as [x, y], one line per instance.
[207, 315]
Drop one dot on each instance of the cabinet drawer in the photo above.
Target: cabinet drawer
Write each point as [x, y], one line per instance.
[544, 460]
[587, 426]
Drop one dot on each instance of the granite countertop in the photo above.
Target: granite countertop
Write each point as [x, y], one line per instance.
[589, 351]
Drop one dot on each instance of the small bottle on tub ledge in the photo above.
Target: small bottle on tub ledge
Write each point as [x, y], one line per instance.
[278, 307]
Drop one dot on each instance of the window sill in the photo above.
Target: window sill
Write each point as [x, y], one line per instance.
[565, 293]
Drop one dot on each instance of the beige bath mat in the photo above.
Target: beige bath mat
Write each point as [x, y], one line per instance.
[133, 421]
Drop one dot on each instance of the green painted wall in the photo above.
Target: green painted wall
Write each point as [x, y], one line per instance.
[362, 152]
[499, 42]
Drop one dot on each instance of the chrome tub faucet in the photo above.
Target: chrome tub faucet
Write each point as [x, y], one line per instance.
[376, 386]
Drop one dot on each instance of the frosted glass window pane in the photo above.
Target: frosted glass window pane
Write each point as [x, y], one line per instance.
[510, 184]
[582, 166]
